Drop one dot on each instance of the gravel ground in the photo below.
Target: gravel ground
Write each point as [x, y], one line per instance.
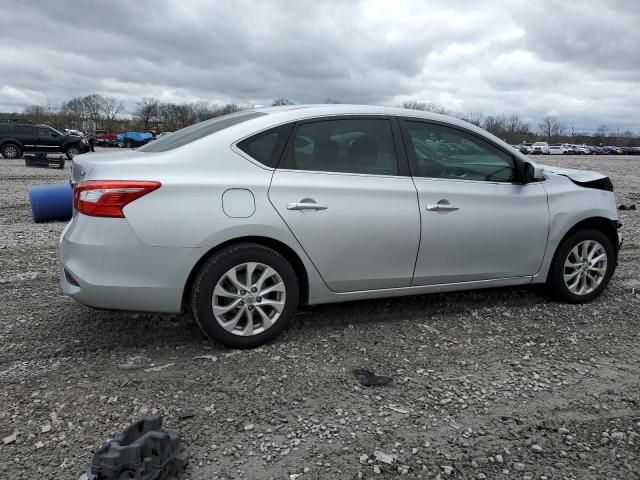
[489, 384]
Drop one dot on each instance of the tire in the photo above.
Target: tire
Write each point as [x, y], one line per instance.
[562, 288]
[128, 144]
[213, 276]
[72, 151]
[11, 151]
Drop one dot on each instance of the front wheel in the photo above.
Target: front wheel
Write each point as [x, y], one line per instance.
[72, 152]
[583, 266]
[245, 295]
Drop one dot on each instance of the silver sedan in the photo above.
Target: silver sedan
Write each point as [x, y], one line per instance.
[245, 217]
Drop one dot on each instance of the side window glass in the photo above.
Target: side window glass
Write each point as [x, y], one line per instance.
[359, 145]
[445, 152]
[266, 147]
[44, 132]
[24, 131]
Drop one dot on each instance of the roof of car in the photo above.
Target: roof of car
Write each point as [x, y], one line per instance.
[313, 110]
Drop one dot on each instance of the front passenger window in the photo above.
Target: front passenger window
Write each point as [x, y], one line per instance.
[446, 152]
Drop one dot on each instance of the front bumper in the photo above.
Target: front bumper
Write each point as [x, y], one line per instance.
[104, 265]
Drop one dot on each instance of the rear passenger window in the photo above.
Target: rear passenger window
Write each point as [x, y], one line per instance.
[359, 145]
[24, 131]
[266, 147]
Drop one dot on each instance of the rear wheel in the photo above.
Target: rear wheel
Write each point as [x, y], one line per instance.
[583, 266]
[244, 295]
[11, 150]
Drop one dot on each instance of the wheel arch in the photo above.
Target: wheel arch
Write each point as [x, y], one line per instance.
[280, 247]
[12, 141]
[602, 224]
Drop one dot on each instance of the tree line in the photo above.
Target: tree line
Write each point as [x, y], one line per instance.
[91, 112]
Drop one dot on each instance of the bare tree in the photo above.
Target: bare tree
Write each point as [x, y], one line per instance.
[93, 110]
[74, 112]
[424, 106]
[495, 124]
[475, 118]
[110, 107]
[147, 110]
[280, 102]
[35, 113]
[551, 128]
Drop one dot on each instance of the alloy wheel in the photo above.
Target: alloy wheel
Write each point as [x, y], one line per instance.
[10, 152]
[248, 299]
[585, 267]
[73, 152]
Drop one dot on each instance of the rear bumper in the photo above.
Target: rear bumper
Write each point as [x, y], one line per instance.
[104, 265]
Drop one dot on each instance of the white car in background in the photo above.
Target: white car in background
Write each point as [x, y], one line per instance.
[584, 149]
[540, 148]
[557, 150]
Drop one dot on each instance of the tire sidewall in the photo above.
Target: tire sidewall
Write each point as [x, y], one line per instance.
[557, 271]
[18, 154]
[211, 272]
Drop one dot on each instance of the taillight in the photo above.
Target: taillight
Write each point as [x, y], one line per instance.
[107, 198]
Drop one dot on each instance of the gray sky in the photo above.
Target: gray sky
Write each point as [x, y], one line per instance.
[579, 60]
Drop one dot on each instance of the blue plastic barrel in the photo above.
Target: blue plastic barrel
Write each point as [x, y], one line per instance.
[51, 202]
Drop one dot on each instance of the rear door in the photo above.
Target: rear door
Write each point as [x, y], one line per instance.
[26, 135]
[344, 191]
[478, 221]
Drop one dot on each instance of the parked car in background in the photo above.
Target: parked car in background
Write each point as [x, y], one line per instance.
[596, 150]
[557, 149]
[540, 148]
[525, 148]
[104, 139]
[133, 139]
[248, 216]
[18, 138]
[584, 150]
[611, 150]
[163, 134]
[633, 151]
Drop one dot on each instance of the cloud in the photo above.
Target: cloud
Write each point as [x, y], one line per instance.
[494, 56]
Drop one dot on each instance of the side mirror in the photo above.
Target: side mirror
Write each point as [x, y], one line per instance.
[532, 172]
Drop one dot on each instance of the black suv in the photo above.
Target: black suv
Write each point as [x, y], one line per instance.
[17, 138]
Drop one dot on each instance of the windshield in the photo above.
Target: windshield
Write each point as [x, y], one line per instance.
[198, 131]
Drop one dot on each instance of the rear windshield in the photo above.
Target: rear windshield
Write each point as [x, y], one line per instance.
[197, 131]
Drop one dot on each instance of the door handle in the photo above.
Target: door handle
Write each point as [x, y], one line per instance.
[442, 207]
[305, 206]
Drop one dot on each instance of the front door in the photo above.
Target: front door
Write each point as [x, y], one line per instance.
[344, 195]
[478, 221]
[47, 140]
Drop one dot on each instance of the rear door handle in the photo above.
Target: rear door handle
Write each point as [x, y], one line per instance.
[442, 207]
[305, 205]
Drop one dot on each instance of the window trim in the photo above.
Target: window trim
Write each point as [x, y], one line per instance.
[413, 161]
[396, 137]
